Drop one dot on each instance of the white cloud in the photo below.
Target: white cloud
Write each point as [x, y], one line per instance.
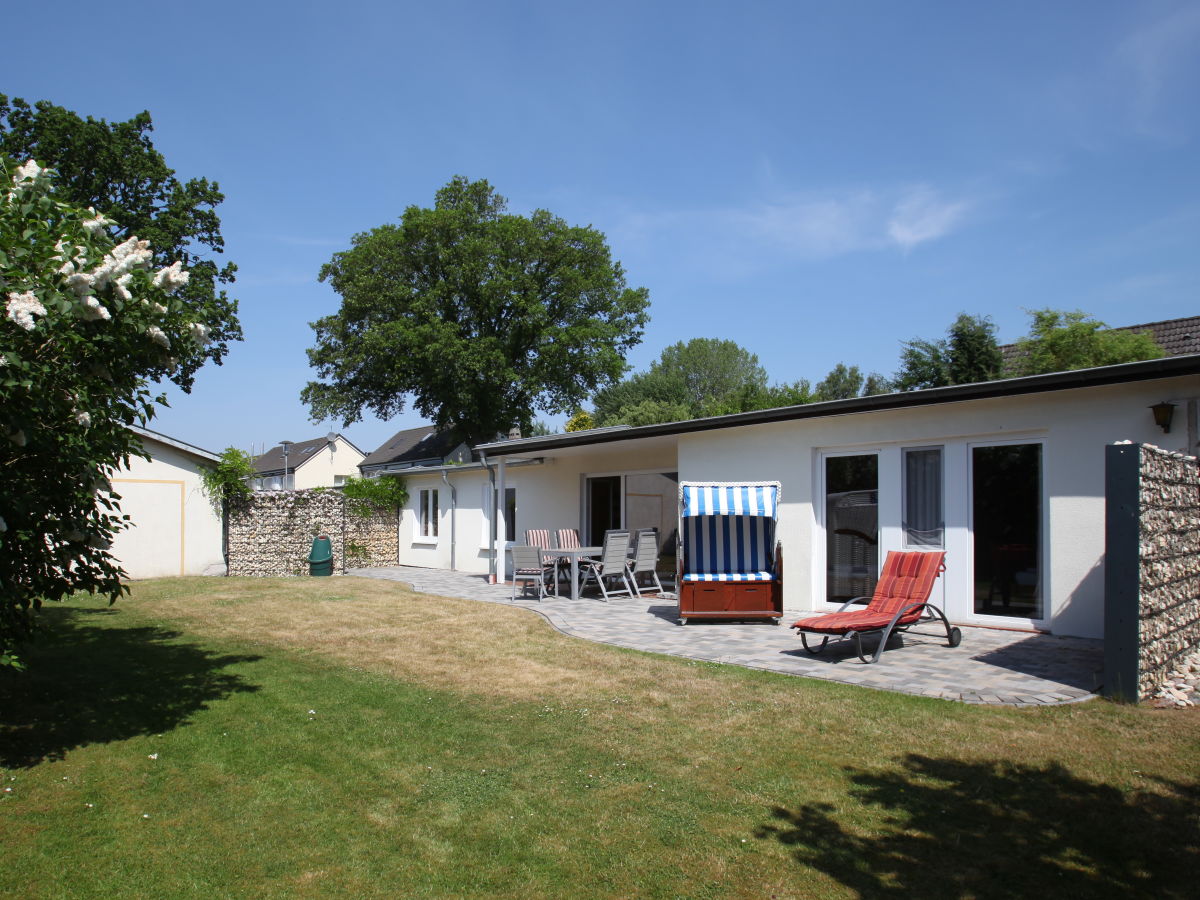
[921, 215]
[856, 221]
[733, 241]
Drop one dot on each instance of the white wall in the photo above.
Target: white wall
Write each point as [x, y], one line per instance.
[549, 495]
[175, 530]
[319, 469]
[1073, 426]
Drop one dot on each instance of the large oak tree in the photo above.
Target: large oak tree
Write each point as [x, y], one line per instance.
[477, 316]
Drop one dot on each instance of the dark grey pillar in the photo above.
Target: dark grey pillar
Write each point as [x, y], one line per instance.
[1122, 549]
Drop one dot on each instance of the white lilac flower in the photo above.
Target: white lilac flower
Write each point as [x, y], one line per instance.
[173, 276]
[23, 307]
[84, 419]
[31, 171]
[3, 360]
[160, 309]
[199, 333]
[80, 283]
[159, 336]
[96, 223]
[92, 309]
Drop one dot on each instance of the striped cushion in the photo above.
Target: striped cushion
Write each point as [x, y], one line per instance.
[538, 537]
[851, 620]
[906, 578]
[728, 545]
[729, 499]
[737, 576]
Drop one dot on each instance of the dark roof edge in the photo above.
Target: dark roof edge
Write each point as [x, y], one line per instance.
[1147, 370]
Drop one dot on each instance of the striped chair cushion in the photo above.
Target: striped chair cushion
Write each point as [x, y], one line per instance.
[726, 576]
[907, 579]
[729, 548]
[538, 537]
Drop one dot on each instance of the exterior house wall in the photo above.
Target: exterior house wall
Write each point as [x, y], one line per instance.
[175, 530]
[338, 459]
[549, 495]
[1073, 427]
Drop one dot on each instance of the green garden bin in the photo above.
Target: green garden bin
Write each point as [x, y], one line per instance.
[320, 560]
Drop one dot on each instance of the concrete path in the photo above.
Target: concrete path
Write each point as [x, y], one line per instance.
[990, 666]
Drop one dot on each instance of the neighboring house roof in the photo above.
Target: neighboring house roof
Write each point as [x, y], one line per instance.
[1168, 367]
[1177, 337]
[412, 447]
[189, 449]
[298, 454]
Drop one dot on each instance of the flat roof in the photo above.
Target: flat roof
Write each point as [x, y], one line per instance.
[1168, 367]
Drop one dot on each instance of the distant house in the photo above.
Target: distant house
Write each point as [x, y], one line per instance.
[175, 530]
[321, 462]
[1177, 337]
[415, 447]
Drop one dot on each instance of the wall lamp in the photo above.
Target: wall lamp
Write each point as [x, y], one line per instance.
[1163, 413]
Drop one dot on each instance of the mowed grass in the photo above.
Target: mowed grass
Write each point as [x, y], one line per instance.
[339, 737]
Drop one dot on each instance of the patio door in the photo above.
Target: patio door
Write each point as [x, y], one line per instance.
[887, 499]
[1007, 528]
[851, 514]
[605, 506]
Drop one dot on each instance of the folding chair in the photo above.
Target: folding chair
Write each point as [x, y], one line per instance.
[613, 563]
[528, 565]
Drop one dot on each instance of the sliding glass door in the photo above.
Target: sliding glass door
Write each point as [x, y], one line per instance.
[851, 526]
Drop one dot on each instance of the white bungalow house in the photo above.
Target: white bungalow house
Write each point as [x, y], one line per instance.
[321, 462]
[1007, 476]
[175, 530]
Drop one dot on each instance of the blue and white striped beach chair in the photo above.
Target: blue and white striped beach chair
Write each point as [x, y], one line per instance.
[730, 564]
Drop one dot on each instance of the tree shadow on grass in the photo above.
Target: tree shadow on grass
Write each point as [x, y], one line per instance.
[90, 683]
[954, 829]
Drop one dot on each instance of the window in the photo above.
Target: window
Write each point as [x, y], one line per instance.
[427, 512]
[339, 480]
[923, 518]
[506, 524]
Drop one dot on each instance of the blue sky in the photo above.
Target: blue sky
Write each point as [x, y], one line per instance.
[816, 181]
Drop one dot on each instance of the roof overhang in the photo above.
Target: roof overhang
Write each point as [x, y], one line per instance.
[562, 444]
[190, 449]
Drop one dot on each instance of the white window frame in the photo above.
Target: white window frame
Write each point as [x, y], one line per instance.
[820, 534]
[427, 497]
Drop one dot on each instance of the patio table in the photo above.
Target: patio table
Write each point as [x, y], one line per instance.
[574, 554]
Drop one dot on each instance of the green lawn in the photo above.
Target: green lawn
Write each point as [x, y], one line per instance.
[343, 737]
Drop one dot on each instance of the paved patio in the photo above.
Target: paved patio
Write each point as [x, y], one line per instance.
[990, 666]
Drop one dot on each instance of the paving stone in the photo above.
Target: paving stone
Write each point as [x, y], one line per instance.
[990, 666]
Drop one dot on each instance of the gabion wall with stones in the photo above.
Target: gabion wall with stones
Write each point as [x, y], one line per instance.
[1169, 609]
[272, 533]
